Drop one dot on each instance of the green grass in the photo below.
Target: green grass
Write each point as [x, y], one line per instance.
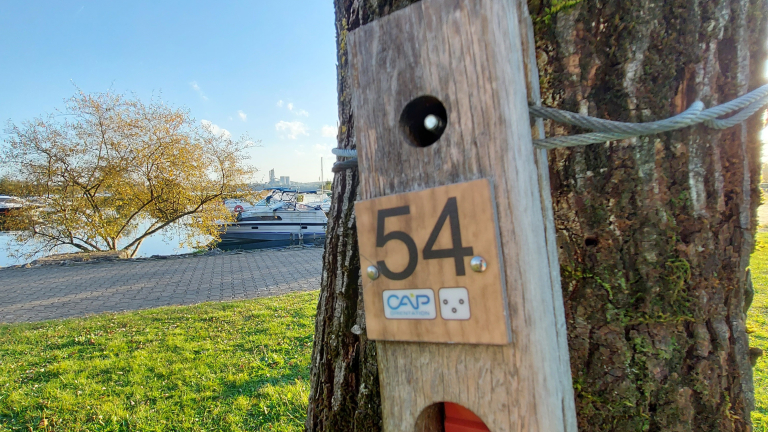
[757, 324]
[211, 367]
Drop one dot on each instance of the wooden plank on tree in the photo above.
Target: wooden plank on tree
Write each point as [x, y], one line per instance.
[467, 54]
[528, 44]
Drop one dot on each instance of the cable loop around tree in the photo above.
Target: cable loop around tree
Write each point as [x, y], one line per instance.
[608, 130]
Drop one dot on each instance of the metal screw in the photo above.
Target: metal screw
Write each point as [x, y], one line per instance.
[432, 122]
[373, 272]
[478, 264]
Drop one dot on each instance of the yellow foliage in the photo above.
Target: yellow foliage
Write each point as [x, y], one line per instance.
[112, 170]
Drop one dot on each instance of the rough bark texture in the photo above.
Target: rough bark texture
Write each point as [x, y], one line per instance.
[654, 233]
[344, 393]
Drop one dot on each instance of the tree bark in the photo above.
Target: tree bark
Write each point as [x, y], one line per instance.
[344, 382]
[654, 233]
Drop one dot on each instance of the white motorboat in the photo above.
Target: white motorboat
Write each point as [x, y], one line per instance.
[8, 203]
[315, 199]
[278, 220]
[239, 206]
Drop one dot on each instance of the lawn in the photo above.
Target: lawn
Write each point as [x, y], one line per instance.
[757, 324]
[211, 367]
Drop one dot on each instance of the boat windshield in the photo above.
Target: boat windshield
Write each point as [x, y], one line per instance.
[241, 217]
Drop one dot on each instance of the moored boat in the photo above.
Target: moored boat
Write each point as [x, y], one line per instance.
[8, 203]
[278, 220]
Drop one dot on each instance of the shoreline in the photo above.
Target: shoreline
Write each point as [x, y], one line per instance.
[87, 258]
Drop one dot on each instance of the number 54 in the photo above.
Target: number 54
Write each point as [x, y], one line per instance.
[457, 252]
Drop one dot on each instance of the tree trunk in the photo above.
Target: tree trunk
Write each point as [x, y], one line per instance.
[654, 233]
[344, 393]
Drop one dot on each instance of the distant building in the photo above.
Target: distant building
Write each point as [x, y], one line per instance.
[282, 181]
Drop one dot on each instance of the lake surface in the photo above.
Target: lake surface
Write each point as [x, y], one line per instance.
[162, 243]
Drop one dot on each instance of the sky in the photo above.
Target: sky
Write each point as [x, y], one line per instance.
[265, 68]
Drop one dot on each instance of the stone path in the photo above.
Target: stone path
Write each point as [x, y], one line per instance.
[51, 292]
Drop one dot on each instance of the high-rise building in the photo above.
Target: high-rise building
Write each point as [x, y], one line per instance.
[272, 176]
[285, 180]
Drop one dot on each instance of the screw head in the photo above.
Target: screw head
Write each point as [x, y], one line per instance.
[432, 122]
[478, 264]
[373, 272]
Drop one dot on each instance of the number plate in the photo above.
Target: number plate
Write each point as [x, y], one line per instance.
[422, 243]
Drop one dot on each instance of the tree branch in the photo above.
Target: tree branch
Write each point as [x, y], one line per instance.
[149, 232]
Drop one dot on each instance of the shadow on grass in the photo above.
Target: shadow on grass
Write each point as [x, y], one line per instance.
[280, 399]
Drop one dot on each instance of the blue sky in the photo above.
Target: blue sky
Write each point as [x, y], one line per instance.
[263, 67]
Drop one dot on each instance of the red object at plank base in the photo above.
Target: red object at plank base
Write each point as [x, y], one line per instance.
[460, 419]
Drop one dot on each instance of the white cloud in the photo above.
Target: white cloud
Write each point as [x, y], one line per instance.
[328, 131]
[216, 130]
[243, 116]
[292, 130]
[292, 108]
[199, 91]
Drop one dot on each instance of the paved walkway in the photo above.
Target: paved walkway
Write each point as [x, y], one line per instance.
[52, 292]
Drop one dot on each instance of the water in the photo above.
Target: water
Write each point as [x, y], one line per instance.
[161, 243]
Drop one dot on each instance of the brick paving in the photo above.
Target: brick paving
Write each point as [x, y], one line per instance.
[52, 292]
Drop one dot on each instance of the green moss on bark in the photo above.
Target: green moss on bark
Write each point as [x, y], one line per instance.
[651, 231]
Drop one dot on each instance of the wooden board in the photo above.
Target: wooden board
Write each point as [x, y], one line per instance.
[542, 165]
[475, 221]
[467, 54]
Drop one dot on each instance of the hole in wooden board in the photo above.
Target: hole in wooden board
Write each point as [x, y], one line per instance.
[423, 121]
[591, 241]
[449, 417]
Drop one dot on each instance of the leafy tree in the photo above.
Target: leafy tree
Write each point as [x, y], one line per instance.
[110, 170]
[9, 186]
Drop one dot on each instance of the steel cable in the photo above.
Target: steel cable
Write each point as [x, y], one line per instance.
[608, 130]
